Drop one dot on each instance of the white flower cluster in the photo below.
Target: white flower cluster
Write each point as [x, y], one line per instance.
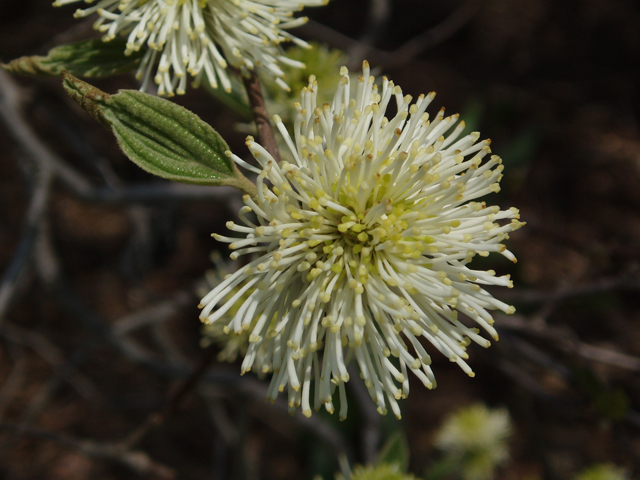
[201, 37]
[363, 242]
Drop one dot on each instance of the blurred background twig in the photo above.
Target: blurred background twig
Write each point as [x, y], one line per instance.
[102, 265]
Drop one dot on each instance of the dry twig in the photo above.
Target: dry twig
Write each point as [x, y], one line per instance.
[377, 18]
[51, 354]
[14, 381]
[565, 339]
[406, 52]
[136, 460]
[627, 280]
[158, 418]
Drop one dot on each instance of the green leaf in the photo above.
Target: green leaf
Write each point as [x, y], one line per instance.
[522, 148]
[611, 403]
[472, 114]
[443, 468]
[90, 58]
[395, 451]
[161, 137]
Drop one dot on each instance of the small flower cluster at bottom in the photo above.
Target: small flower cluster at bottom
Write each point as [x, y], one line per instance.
[361, 244]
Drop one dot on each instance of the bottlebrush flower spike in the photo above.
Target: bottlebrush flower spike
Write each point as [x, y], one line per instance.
[363, 241]
[201, 37]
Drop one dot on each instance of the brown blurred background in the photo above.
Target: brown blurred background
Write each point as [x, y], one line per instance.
[99, 320]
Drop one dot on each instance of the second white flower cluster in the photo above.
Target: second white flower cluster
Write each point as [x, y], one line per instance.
[201, 37]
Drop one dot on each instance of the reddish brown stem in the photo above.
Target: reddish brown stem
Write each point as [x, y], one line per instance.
[266, 137]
